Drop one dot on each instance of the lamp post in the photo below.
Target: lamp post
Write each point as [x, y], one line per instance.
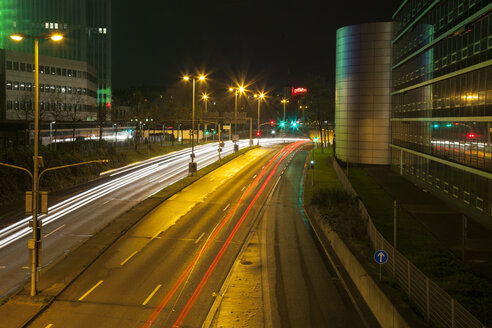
[237, 90]
[284, 101]
[205, 100]
[259, 97]
[51, 133]
[34, 244]
[192, 166]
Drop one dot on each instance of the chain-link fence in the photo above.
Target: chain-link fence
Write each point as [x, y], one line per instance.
[438, 308]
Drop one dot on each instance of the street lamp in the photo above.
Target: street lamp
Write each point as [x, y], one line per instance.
[259, 97]
[238, 90]
[192, 165]
[205, 100]
[35, 186]
[284, 101]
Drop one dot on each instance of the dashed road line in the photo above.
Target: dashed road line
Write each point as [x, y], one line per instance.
[196, 241]
[54, 231]
[151, 294]
[225, 208]
[90, 290]
[128, 258]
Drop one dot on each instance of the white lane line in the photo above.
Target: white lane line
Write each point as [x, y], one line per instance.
[54, 231]
[2, 266]
[152, 294]
[244, 187]
[225, 208]
[254, 176]
[90, 290]
[128, 258]
[223, 180]
[106, 202]
[25, 267]
[196, 241]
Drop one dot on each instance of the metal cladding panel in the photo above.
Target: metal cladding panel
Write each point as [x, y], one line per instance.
[362, 106]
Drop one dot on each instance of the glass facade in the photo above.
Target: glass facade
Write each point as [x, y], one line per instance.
[86, 25]
[441, 116]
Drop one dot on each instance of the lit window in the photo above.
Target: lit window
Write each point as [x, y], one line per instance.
[46, 25]
[104, 30]
[56, 25]
[51, 25]
[100, 30]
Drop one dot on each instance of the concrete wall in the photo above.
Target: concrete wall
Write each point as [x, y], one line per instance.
[362, 95]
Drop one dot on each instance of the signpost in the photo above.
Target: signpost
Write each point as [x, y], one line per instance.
[381, 257]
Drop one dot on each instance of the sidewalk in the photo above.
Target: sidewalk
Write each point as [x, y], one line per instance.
[440, 219]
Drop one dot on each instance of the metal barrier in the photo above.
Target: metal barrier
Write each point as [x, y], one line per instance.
[437, 306]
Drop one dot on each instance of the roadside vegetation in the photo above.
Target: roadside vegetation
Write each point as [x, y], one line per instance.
[14, 182]
[332, 203]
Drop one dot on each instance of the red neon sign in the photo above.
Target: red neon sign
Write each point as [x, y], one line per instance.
[298, 91]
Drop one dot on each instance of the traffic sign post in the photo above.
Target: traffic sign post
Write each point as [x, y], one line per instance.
[381, 257]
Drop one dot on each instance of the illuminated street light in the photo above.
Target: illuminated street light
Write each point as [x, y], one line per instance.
[259, 97]
[238, 90]
[35, 185]
[192, 166]
[284, 101]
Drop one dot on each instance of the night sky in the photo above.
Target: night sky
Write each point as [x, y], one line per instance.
[270, 42]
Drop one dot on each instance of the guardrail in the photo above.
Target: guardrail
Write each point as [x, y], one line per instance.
[437, 306]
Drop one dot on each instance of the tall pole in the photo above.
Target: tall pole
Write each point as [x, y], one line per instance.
[284, 110]
[235, 114]
[258, 132]
[193, 125]
[35, 187]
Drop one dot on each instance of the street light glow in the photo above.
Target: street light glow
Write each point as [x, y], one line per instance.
[241, 89]
[201, 77]
[205, 96]
[56, 37]
[186, 78]
[16, 37]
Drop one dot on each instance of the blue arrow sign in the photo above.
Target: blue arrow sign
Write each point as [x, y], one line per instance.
[381, 257]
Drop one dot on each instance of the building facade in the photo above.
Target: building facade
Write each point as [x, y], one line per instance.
[362, 93]
[86, 25]
[67, 88]
[442, 100]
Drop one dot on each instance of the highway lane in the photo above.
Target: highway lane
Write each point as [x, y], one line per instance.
[79, 216]
[153, 273]
[300, 289]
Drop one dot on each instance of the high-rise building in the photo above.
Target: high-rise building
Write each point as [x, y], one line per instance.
[86, 25]
[442, 100]
[362, 96]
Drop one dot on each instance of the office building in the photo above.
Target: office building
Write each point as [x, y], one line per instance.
[67, 88]
[86, 25]
[362, 94]
[442, 100]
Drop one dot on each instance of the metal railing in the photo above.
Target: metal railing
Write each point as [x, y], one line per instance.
[438, 307]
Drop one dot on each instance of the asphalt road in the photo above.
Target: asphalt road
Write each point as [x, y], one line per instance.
[300, 288]
[167, 269]
[78, 216]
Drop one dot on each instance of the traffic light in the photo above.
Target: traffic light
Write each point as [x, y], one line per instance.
[272, 123]
[471, 135]
[282, 124]
[294, 124]
[258, 133]
[206, 132]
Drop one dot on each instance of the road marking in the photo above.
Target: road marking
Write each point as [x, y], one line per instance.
[2, 266]
[244, 187]
[152, 294]
[173, 196]
[49, 326]
[254, 176]
[223, 180]
[225, 208]
[25, 267]
[106, 202]
[90, 290]
[157, 234]
[196, 241]
[128, 258]
[54, 230]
